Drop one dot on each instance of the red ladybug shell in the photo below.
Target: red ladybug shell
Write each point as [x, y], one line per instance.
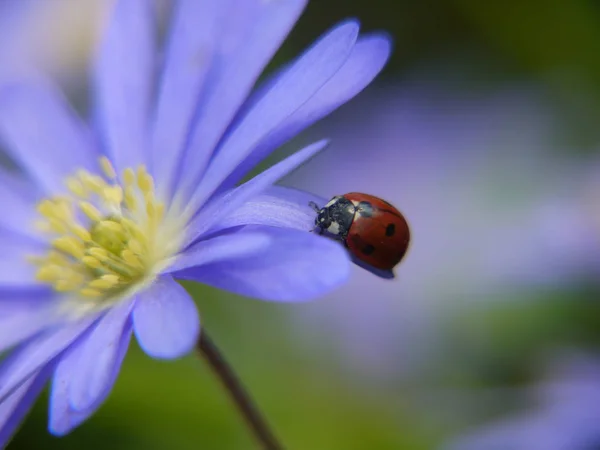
[379, 234]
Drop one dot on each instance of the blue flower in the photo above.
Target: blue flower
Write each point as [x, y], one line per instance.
[563, 414]
[111, 215]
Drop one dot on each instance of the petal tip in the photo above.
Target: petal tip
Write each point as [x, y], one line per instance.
[383, 274]
[55, 430]
[166, 323]
[352, 23]
[347, 30]
[383, 39]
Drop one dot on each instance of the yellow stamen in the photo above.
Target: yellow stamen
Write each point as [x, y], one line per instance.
[76, 187]
[105, 282]
[65, 285]
[106, 237]
[99, 253]
[90, 211]
[135, 247]
[70, 246]
[131, 259]
[56, 225]
[115, 194]
[91, 262]
[145, 182]
[48, 273]
[107, 168]
[130, 201]
[92, 182]
[88, 292]
[128, 177]
[80, 232]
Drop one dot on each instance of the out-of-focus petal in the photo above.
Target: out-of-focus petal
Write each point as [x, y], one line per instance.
[250, 34]
[166, 320]
[278, 206]
[15, 269]
[563, 413]
[298, 265]
[14, 409]
[123, 76]
[223, 205]
[18, 197]
[44, 135]
[366, 60]
[20, 320]
[220, 249]
[23, 362]
[101, 357]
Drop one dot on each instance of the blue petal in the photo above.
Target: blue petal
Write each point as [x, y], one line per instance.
[298, 265]
[310, 72]
[250, 34]
[101, 357]
[44, 135]
[367, 59]
[23, 362]
[123, 78]
[166, 320]
[21, 319]
[277, 207]
[19, 196]
[220, 248]
[189, 56]
[62, 418]
[15, 269]
[223, 205]
[15, 407]
[31, 292]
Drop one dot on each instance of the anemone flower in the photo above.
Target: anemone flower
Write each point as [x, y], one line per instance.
[564, 411]
[492, 205]
[109, 216]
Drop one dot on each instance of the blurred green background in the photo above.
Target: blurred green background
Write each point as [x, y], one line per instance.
[311, 397]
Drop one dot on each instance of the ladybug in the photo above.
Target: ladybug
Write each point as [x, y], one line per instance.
[373, 230]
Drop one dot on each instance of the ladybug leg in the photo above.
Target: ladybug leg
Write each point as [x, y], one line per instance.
[314, 206]
[317, 229]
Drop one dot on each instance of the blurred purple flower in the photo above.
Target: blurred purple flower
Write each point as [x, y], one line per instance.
[563, 415]
[491, 208]
[51, 36]
[149, 196]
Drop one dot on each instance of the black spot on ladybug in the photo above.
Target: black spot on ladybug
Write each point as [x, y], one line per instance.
[390, 229]
[367, 249]
[365, 209]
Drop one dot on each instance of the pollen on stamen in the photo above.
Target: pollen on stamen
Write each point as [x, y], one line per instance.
[101, 245]
[76, 187]
[107, 168]
[90, 211]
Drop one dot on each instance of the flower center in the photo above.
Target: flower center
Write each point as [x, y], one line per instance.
[107, 236]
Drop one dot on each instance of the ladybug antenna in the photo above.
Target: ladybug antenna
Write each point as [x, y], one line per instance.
[314, 206]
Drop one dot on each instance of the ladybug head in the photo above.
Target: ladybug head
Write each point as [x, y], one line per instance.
[323, 219]
[336, 216]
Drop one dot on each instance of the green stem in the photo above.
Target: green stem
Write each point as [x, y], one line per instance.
[238, 394]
